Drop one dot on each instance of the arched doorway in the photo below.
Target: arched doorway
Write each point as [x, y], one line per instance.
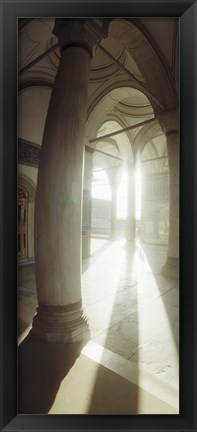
[26, 188]
[23, 199]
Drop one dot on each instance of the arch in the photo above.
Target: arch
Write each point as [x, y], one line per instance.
[144, 135]
[137, 42]
[23, 201]
[107, 88]
[29, 185]
[105, 104]
[124, 149]
[123, 124]
[143, 50]
[140, 24]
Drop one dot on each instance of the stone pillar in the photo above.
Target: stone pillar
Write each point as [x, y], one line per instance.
[113, 176]
[58, 209]
[30, 240]
[113, 211]
[131, 205]
[170, 126]
[87, 204]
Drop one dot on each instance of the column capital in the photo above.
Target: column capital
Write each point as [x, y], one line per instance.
[170, 123]
[83, 32]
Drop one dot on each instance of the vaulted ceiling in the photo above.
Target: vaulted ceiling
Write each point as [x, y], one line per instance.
[133, 75]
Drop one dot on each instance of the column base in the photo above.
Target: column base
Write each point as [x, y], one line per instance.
[65, 324]
[171, 268]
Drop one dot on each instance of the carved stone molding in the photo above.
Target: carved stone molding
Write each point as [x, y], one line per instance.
[29, 185]
[28, 154]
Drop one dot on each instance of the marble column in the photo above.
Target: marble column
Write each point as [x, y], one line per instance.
[113, 211]
[114, 176]
[87, 204]
[170, 126]
[131, 205]
[58, 207]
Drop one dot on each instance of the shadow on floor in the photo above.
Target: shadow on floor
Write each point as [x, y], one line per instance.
[170, 297]
[113, 394]
[41, 368]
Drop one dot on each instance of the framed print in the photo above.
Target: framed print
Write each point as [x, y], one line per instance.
[98, 215]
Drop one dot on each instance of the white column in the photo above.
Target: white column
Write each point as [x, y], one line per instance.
[170, 126]
[58, 209]
[131, 205]
[87, 204]
[113, 211]
[113, 176]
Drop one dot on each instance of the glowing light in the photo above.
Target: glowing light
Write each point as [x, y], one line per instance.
[100, 185]
[138, 192]
[122, 193]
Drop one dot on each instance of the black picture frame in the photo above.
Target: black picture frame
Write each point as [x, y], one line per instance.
[186, 10]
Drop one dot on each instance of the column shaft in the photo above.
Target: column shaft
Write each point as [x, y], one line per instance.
[87, 206]
[58, 203]
[171, 267]
[131, 205]
[114, 211]
[170, 126]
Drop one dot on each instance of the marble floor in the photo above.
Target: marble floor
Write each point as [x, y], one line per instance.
[133, 311]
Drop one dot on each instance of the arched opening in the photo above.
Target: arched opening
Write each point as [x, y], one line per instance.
[29, 186]
[100, 185]
[110, 177]
[23, 200]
